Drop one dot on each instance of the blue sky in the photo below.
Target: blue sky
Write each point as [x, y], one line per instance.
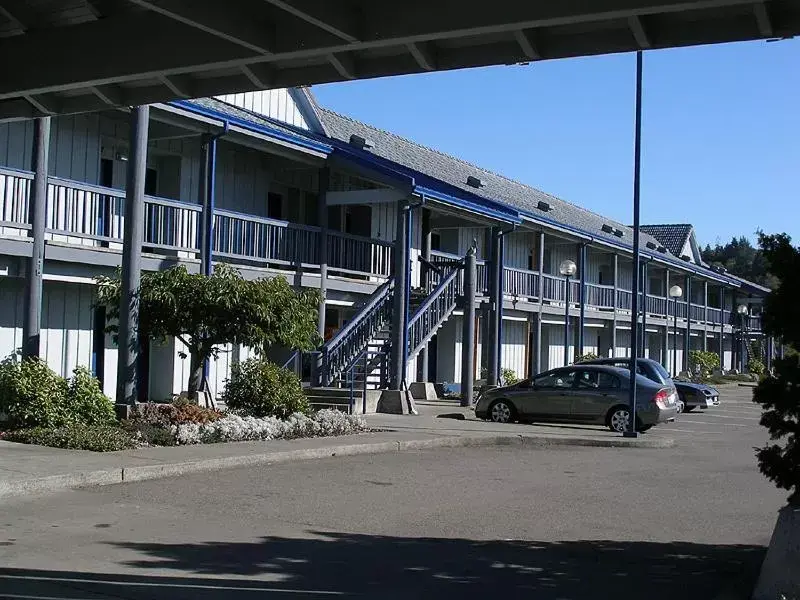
[721, 130]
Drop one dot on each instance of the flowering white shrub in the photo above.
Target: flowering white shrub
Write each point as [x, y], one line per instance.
[235, 428]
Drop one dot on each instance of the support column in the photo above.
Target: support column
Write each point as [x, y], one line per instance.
[705, 316]
[324, 182]
[645, 289]
[207, 159]
[687, 340]
[495, 274]
[533, 343]
[581, 298]
[722, 347]
[541, 304]
[665, 346]
[468, 331]
[768, 359]
[132, 258]
[32, 322]
[422, 361]
[399, 314]
[616, 304]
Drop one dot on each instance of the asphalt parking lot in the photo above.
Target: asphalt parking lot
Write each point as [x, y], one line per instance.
[689, 521]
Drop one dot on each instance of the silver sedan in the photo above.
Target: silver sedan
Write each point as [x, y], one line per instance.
[595, 394]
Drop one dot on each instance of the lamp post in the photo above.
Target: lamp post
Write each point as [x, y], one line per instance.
[567, 268]
[742, 310]
[675, 292]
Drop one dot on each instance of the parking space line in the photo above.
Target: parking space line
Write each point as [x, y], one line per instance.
[711, 423]
[718, 416]
[690, 430]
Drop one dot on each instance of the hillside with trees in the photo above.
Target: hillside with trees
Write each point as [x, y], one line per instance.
[741, 258]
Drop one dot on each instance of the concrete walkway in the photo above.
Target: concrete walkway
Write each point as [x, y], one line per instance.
[26, 469]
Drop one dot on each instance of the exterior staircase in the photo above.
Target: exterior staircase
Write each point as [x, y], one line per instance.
[354, 364]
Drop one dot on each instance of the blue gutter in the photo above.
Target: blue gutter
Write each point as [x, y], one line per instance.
[296, 139]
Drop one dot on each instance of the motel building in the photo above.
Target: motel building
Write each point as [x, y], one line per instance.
[427, 263]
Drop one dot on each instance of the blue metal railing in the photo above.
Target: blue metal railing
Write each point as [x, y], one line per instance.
[366, 363]
[340, 351]
[436, 309]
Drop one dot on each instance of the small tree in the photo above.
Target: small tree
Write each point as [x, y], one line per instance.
[780, 395]
[205, 313]
[703, 363]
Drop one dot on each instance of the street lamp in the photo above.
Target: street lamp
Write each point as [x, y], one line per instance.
[675, 292]
[742, 310]
[567, 268]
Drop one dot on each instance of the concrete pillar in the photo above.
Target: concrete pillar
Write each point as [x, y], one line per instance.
[32, 320]
[645, 289]
[495, 273]
[468, 332]
[581, 298]
[539, 368]
[687, 338]
[324, 182]
[399, 355]
[422, 361]
[132, 258]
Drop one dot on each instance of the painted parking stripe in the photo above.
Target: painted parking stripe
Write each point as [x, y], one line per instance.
[690, 430]
[718, 416]
[712, 423]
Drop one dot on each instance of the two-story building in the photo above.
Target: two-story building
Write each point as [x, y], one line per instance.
[377, 222]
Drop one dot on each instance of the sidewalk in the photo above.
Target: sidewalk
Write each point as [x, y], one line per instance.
[26, 470]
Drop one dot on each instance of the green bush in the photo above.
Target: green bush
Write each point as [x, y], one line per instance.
[101, 438]
[31, 394]
[586, 357]
[756, 367]
[703, 363]
[86, 403]
[151, 435]
[260, 388]
[508, 376]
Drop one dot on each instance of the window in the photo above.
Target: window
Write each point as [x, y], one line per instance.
[559, 379]
[607, 381]
[587, 379]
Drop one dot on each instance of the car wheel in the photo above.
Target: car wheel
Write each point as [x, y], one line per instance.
[618, 419]
[502, 411]
[680, 406]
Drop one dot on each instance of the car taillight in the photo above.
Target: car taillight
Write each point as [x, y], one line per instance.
[661, 399]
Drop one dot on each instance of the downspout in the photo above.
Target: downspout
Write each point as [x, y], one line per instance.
[209, 199]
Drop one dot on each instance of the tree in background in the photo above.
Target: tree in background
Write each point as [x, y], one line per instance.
[780, 395]
[205, 313]
[741, 258]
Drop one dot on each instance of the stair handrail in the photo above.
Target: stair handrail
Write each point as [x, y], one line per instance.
[363, 327]
[441, 302]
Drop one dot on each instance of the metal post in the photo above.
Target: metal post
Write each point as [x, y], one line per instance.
[616, 304]
[205, 228]
[665, 360]
[495, 307]
[582, 298]
[399, 321]
[743, 349]
[688, 338]
[637, 159]
[566, 320]
[675, 337]
[768, 358]
[468, 331]
[324, 182]
[32, 322]
[541, 304]
[722, 347]
[425, 272]
[132, 258]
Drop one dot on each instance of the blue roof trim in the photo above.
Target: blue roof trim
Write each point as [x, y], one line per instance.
[298, 140]
[430, 187]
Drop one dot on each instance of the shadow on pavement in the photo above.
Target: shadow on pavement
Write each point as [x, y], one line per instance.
[340, 564]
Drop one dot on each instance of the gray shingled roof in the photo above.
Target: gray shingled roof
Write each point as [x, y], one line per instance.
[673, 237]
[246, 115]
[454, 171]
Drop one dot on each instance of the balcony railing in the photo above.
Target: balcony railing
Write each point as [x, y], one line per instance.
[599, 296]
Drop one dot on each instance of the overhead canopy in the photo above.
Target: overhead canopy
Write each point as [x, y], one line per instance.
[61, 56]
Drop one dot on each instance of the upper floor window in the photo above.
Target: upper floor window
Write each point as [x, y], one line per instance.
[274, 205]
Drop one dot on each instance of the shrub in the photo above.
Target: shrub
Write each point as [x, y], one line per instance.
[703, 363]
[31, 394]
[86, 403]
[236, 428]
[756, 367]
[259, 388]
[151, 435]
[508, 376]
[99, 438]
[167, 415]
[586, 357]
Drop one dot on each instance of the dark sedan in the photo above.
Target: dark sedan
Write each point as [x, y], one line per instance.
[690, 395]
[581, 393]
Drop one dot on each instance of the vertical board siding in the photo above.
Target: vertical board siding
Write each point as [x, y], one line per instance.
[513, 345]
[275, 104]
[559, 253]
[11, 315]
[16, 144]
[448, 345]
[518, 249]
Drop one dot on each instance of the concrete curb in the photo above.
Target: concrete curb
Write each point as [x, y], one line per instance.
[124, 474]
